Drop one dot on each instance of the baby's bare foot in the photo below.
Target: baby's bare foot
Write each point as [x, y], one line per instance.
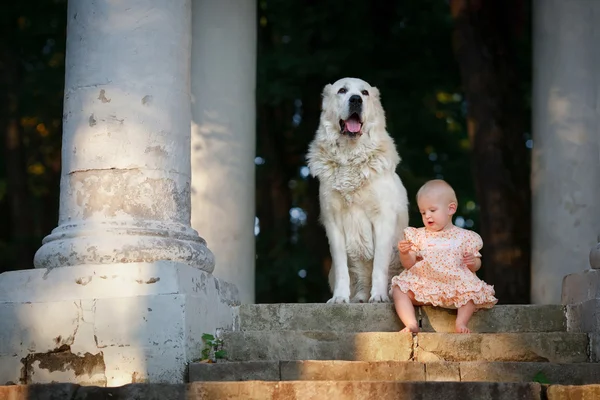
[460, 328]
[413, 329]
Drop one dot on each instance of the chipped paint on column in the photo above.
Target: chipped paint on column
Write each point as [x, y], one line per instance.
[223, 135]
[565, 159]
[125, 185]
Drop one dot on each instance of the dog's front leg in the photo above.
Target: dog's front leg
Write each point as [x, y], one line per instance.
[385, 229]
[341, 275]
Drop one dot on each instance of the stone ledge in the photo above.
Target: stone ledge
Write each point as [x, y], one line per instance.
[558, 347]
[298, 390]
[587, 392]
[382, 318]
[236, 371]
[476, 371]
[499, 319]
[550, 373]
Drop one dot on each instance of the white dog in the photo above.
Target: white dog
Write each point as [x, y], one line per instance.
[364, 206]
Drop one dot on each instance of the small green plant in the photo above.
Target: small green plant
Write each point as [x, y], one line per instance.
[540, 377]
[213, 349]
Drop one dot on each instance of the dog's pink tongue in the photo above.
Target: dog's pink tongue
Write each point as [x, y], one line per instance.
[352, 125]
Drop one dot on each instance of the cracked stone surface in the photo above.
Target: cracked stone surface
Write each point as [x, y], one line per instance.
[108, 325]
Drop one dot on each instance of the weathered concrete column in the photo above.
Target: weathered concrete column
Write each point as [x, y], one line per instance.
[125, 185]
[565, 162]
[137, 295]
[223, 135]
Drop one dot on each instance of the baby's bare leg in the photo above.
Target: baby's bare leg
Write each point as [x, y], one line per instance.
[405, 310]
[463, 316]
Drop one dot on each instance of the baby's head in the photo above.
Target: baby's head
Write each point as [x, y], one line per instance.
[437, 203]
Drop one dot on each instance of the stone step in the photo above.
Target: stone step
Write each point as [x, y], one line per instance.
[466, 371]
[305, 390]
[557, 347]
[382, 318]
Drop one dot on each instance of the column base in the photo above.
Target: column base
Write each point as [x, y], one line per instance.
[113, 242]
[108, 325]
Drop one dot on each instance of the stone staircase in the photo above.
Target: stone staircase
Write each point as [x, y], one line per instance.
[354, 351]
[343, 352]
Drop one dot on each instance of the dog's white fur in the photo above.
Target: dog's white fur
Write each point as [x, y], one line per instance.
[364, 205]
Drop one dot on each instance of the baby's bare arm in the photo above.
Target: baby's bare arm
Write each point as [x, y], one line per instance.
[409, 259]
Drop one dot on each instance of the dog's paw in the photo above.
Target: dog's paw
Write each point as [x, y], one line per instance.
[379, 298]
[360, 297]
[338, 300]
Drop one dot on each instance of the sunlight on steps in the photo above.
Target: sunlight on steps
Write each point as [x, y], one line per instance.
[358, 346]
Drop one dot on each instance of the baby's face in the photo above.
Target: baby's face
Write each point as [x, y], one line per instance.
[435, 211]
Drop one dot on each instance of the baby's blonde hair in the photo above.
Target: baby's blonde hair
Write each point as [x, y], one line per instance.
[440, 188]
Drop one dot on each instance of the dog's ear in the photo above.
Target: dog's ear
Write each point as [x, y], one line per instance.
[325, 95]
[375, 92]
[379, 114]
[376, 97]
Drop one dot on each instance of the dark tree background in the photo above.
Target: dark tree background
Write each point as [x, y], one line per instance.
[32, 46]
[454, 77]
[486, 40]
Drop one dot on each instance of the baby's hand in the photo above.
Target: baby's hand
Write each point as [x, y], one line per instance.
[469, 260]
[404, 246]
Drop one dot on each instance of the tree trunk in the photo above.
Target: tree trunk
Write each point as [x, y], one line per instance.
[485, 53]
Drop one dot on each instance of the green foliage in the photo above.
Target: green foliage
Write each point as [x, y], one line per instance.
[213, 348]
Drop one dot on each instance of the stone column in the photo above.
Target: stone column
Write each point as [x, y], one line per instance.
[138, 294]
[565, 162]
[125, 185]
[223, 135]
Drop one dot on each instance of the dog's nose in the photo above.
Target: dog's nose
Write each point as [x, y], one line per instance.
[355, 99]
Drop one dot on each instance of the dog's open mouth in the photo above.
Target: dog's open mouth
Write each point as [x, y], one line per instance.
[352, 126]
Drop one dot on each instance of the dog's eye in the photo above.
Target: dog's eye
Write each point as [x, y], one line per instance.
[365, 93]
[342, 91]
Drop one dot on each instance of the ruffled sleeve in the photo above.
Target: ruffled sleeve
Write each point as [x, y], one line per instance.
[412, 235]
[473, 243]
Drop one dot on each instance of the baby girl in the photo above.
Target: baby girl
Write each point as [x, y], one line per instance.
[440, 262]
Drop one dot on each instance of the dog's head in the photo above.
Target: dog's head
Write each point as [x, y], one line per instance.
[352, 106]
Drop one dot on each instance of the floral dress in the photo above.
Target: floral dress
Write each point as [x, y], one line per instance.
[439, 277]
